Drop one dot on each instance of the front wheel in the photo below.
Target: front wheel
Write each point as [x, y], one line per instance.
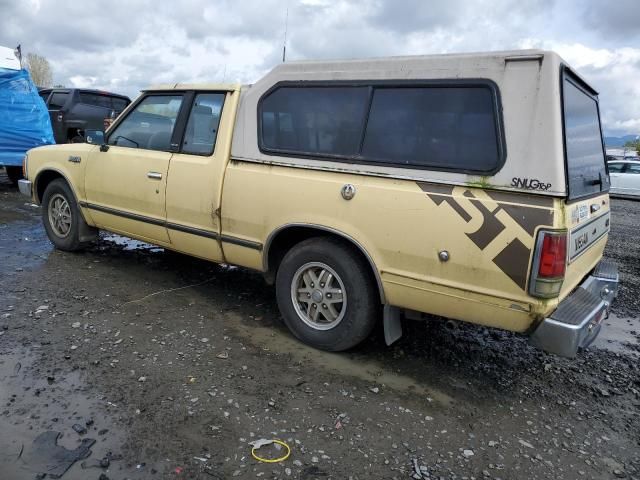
[326, 294]
[60, 216]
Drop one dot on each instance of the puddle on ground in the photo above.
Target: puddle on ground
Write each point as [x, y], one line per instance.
[130, 244]
[34, 402]
[619, 334]
[8, 216]
[346, 364]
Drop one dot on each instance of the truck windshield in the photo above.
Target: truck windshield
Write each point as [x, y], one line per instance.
[586, 169]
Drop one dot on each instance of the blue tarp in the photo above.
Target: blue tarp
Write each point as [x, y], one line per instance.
[24, 118]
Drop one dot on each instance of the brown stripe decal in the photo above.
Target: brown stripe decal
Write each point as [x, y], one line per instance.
[438, 199]
[490, 229]
[519, 198]
[436, 188]
[513, 261]
[529, 218]
[528, 211]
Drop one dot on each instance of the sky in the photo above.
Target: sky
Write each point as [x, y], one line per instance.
[126, 45]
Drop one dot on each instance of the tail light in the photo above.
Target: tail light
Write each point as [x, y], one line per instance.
[549, 264]
[60, 117]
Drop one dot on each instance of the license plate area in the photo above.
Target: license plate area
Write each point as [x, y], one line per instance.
[582, 237]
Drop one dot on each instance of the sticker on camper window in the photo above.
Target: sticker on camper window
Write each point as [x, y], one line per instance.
[530, 184]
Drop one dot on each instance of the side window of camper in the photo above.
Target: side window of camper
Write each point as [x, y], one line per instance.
[314, 120]
[441, 127]
[437, 126]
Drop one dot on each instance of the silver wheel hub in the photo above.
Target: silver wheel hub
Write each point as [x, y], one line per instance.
[318, 296]
[59, 212]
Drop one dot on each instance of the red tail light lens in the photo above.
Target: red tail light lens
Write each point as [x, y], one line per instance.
[553, 256]
[549, 264]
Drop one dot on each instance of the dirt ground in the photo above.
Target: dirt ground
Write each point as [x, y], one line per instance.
[173, 365]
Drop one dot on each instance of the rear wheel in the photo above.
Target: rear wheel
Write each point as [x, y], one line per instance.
[326, 294]
[14, 174]
[60, 216]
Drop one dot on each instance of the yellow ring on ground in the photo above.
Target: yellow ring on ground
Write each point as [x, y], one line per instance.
[274, 460]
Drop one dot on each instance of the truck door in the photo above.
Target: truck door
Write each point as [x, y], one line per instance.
[196, 173]
[125, 185]
[630, 179]
[57, 103]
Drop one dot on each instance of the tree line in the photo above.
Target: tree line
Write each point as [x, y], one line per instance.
[634, 145]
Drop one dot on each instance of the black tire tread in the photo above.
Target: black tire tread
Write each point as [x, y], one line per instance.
[72, 242]
[363, 305]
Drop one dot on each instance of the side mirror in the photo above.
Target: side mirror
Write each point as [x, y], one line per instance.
[94, 137]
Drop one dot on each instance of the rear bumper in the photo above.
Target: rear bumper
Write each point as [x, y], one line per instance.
[25, 187]
[577, 321]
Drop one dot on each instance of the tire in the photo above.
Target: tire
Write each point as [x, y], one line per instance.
[14, 174]
[338, 325]
[58, 199]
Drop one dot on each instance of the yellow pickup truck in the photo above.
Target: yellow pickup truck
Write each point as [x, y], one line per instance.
[468, 186]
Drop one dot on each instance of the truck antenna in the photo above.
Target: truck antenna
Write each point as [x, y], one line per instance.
[284, 44]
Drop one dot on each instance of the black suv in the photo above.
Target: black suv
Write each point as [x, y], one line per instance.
[74, 110]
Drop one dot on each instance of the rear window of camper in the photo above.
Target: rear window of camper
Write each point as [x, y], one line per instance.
[586, 169]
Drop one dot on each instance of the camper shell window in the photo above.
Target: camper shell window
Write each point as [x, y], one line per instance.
[584, 149]
[439, 125]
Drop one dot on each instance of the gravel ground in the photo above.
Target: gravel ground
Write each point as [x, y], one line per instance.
[173, 365]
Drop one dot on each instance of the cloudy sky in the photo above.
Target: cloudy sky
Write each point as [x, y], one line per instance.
[125, 45]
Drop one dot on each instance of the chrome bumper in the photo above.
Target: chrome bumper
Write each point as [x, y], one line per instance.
[25, 187]
[578, 319]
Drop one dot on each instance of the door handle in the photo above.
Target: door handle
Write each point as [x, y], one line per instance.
[154, 175]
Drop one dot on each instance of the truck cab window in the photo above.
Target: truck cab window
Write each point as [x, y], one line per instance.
[58, 100]
[119, 104]
[202, 126]
[150, 125]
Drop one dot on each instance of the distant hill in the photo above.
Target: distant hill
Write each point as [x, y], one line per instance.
[618, 141]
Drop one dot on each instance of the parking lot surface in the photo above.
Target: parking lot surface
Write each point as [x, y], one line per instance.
[173, 365]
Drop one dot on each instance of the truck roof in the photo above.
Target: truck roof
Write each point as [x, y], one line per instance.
[84, 90]
[448, 58]
[410, 66]
[225, 87]
[397, 67]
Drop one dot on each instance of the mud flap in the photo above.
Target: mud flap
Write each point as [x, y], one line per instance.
[392, 324]
[85, 232]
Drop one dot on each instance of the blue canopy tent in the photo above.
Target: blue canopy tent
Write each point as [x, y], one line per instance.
[24, 119]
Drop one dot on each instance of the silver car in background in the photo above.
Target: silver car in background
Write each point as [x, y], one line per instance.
[625, 178]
